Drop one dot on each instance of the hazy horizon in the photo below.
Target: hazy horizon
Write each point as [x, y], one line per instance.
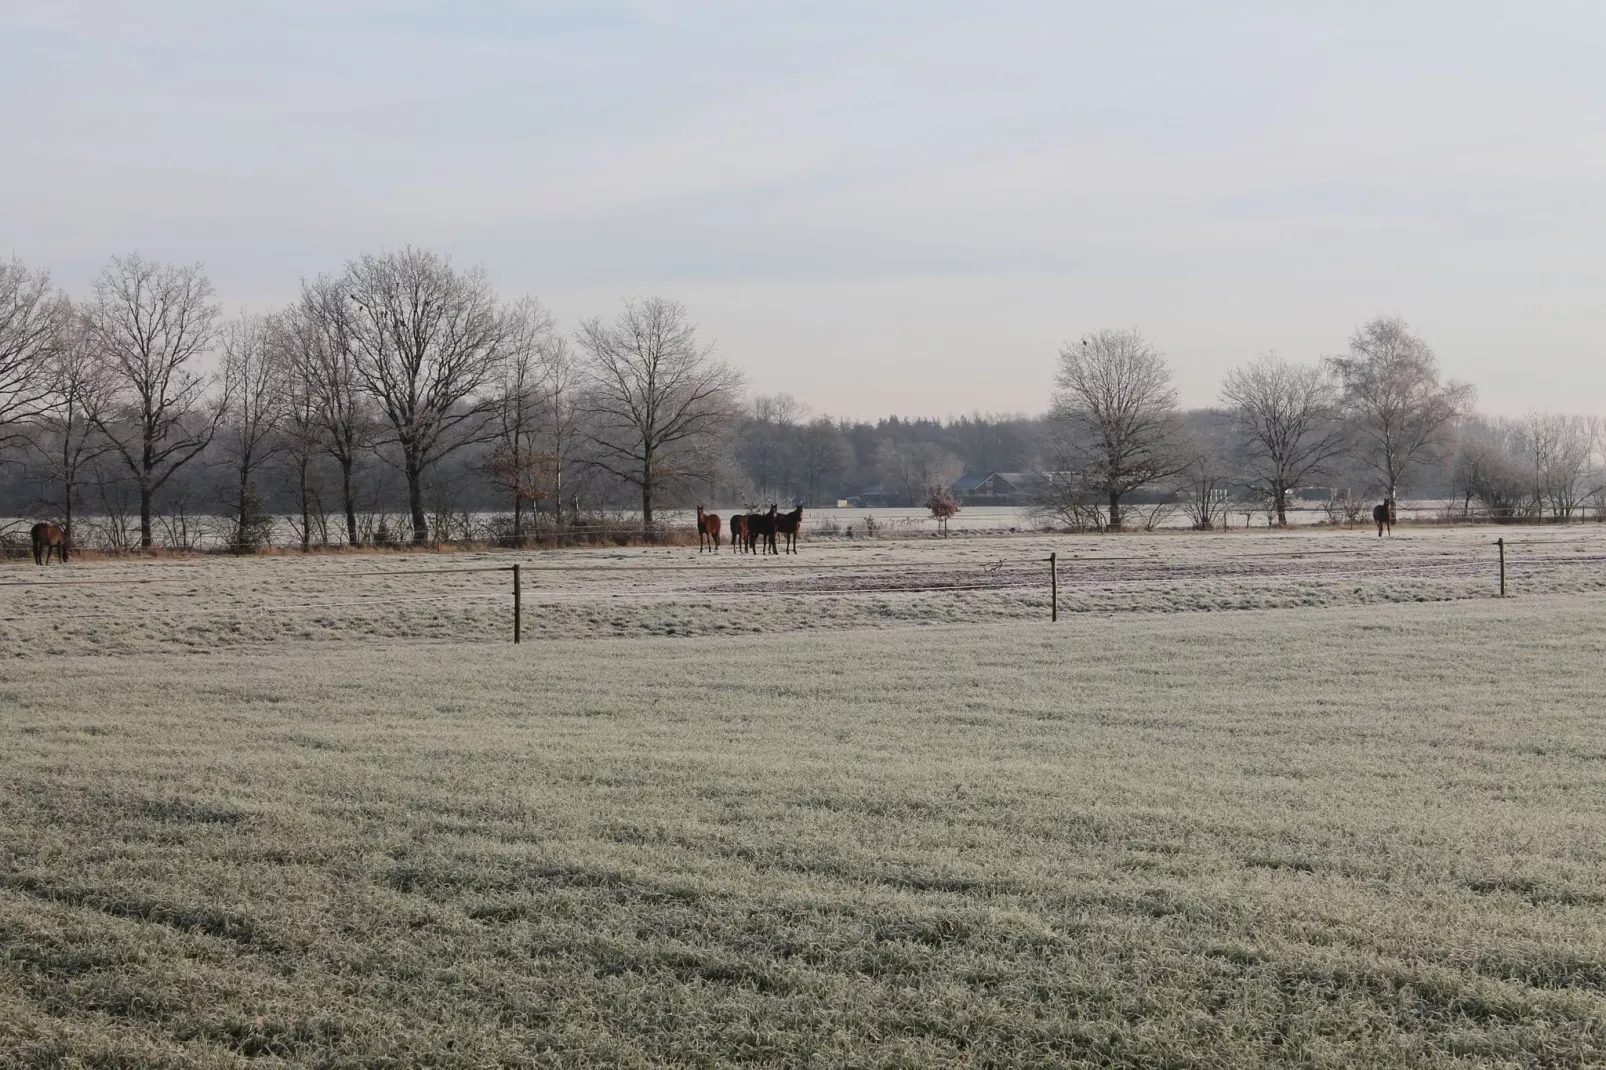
[905, 209]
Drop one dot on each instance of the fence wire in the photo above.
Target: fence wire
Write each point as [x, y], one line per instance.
[738, 578]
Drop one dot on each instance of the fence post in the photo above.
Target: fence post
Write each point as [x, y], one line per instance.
[517, 604]
[1501, 542]
[1053, 587]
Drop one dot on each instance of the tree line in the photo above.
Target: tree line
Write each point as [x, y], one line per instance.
[381, 375]
[403, 385]
[1378, 420]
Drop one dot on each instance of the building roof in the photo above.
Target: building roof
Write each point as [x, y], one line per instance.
[970, 481]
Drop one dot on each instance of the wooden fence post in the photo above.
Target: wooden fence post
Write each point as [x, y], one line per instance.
[1053, 587]
[517, 604]
[1501, 542]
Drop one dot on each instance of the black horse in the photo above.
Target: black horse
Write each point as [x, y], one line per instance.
[760, 529]
[48, 537]
[1383, 515]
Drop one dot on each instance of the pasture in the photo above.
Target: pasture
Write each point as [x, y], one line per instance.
[726, 812]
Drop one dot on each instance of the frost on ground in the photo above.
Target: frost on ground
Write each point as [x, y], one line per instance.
[205, 604]
[1365, 836]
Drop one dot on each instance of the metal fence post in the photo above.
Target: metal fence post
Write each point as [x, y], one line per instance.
[1501, 542]
[517, 604]
[1054, 587]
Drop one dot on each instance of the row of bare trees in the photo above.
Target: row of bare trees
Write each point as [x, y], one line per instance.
[1382, 406]
[400, 355]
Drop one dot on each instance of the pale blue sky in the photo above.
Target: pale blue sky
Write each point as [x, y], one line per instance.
[903, 206]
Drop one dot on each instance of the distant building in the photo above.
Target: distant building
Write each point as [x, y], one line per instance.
[994, 488]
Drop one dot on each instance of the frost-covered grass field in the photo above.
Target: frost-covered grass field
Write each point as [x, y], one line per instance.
[206, 604]
[875, 827]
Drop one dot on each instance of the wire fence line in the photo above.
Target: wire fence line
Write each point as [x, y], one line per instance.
[1025, 576]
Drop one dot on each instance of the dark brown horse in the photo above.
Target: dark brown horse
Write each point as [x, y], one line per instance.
[788, 524]
[738, 532]
[48, 537]
[760, 529]
[1383, 515]
[707, 530]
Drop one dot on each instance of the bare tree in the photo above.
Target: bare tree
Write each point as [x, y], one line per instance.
[1399, 410]
[908, 470]
[560, 420]
[34, 320]
[1287, 415]
[318, 331]
[1488, 469]
[518, 465]
[302, 430]
[822, 453]
[1561, 452]
[64, 435]
[656, 399]
[427, 341]
[1211, 472]
[253, 382]
[768, 446]
[1115, 416]
[149, 325]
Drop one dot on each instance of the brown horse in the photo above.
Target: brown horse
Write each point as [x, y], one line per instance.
[707, 530]
[788, 524]
[738, 532]
[48, 537]
[1384, 516]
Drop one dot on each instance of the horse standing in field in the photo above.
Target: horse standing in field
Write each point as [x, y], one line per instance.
[738, 532]
[788, 524]
[48, 537]
[1384, 516]
[760, 529]
[707, 530]
[767, 528]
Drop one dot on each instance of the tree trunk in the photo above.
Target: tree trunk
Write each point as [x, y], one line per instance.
[1278, 489]
[646, 491]
[415, 501]
[306, 511]
[1115, 510]
[557, 495]
[145, 540]
[239, 521]
[346, 462]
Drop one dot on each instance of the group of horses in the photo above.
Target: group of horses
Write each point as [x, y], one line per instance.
[752, 533]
